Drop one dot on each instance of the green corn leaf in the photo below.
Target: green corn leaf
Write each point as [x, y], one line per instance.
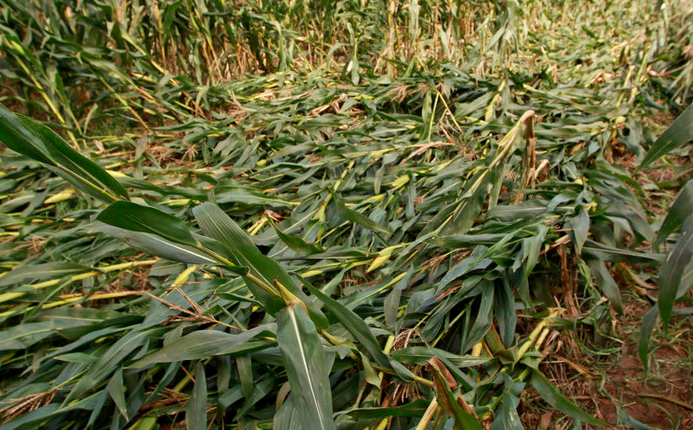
[111, 359]
[506, 416]
[157, 245]
[648, 324]
[679, 211]
[306, 368]
[25, 335]
[41, 272]
[117, 393]
[553, 397]
[196, 413]
[287, 417]
[679, 133]
[245, 374]
[580, 225]
[412, 409]
[297, 244]
[36, 141]
[33, 419]
[216, 224]
[606, 283]
[134, 217]
[463, 419]
[673, 271]
[359, 329]
[357, 217]
[206, 343]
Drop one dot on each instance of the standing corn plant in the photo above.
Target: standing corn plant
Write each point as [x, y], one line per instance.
[676, 275]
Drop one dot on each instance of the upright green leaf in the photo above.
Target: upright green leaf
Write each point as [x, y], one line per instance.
[196, 413]
[463, 419]
[306, 368]
[679, 133]
[117, 393]
[679, 211]
[673, 270]
[606, 283]
[580, 225]
[648, 324]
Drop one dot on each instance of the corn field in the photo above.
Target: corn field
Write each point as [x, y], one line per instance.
[350, 214]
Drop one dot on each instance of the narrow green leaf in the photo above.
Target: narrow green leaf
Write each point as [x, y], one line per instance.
[117, 393]
[553, 397]
[25, 335]
[157, 245]
[463, 419]
[359, 329]
[216, 224]
[679, 133]
[648, 324]
[606, 283]
[90, 176]
[580, 225]
[673, 270]
[679, 211]
[357, 217]
[134, 217]
[506, 416]
[245, 374]
[412, 409]
[297, 244]
[306, 368]
[111, 359]
[40, 272]
[196, 413]
[206, 343]
[36, 141]
[286, 417]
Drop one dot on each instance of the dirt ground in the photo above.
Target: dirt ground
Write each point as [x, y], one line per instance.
[612, 384]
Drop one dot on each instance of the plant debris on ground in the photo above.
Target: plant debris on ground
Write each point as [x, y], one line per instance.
[348, 214]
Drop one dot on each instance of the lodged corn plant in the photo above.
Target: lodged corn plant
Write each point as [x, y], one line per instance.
[348, 214]
[309, 348]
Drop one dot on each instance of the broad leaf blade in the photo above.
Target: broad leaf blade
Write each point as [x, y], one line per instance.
[673, 270]
[359, 329]
[552, 396]
[679, 133]
[35, 140]
[216, 224]
[134, 217]
[96, 180]
[206, 343]
[156, 245]
[680, 210]
[306, 368]
[196, 414]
